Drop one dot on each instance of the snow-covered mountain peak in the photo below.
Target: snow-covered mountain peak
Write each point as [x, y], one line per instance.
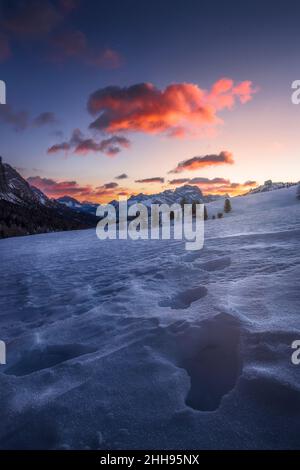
[15, 189]
[187, 193]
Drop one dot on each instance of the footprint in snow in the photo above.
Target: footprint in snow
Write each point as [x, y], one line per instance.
[185, 298]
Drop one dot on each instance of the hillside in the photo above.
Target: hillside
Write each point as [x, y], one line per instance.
[26, 210]
[270, 185]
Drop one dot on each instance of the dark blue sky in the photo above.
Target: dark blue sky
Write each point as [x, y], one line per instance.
[54, 54]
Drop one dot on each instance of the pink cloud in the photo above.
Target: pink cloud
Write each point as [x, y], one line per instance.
[176, 110]
[81, 145]
[59, 188]
[56, 189]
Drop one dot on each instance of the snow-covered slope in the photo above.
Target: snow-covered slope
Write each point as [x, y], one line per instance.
[269, 185]
[141, 344]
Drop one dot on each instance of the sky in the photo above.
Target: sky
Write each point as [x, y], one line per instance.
[121, 97]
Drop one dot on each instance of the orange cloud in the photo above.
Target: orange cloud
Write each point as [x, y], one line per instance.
[218, 186]
[233, 189]
[195, 163]
[177, 110]
[56, 189]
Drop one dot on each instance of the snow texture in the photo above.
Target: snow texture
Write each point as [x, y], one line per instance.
[140, 344]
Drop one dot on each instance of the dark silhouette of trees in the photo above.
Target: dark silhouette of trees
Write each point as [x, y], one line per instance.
[227, 206]
[30, 219]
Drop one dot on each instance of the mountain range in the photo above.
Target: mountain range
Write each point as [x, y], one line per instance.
[72, 203]
[26, 210]
[186, 193]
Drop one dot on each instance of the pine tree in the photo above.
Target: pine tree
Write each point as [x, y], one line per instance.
[183, 202]
[227, 206]
[194, 207]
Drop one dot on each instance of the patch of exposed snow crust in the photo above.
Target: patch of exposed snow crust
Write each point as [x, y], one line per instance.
[123, 344]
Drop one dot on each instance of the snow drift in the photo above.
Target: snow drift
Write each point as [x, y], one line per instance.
[140, 344]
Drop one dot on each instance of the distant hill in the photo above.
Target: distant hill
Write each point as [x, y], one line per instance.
[72, 203]
[269, 185]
